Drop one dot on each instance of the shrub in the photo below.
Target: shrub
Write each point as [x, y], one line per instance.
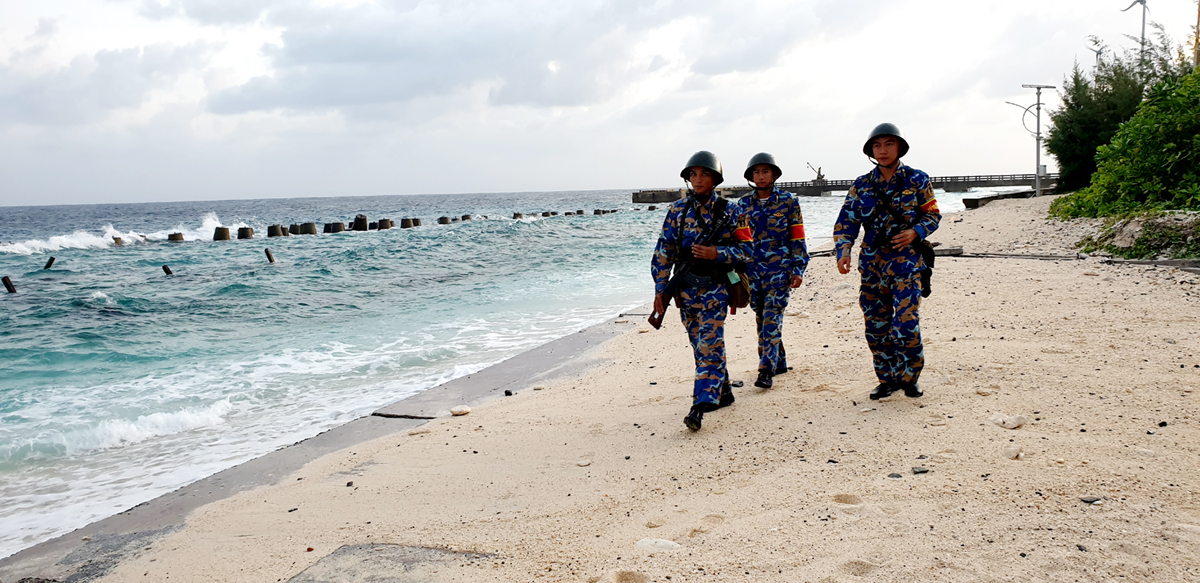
[1153, 161]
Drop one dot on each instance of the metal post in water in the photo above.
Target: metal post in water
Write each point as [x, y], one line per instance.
[8, 285]
[270, 258]
[167, 270]
[49, 263]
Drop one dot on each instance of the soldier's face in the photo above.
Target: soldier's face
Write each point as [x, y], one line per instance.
[762, 175]
[702, 181]
[886, 150]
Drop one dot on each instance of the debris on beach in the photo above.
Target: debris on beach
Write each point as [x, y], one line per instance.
[584, 463]
[460, 410]
[1091, 500]
[420, 430]
[1013, 453]
[1009, 421]
[920, 470]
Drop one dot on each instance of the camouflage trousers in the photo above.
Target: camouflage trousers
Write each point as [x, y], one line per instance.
[890, 305]
[768, 306]
[703, 314]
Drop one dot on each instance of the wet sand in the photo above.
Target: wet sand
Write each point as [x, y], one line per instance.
[809, 481]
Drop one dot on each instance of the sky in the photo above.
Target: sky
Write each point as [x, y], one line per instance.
[166, 100]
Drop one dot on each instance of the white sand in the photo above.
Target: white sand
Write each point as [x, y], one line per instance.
[560, 484]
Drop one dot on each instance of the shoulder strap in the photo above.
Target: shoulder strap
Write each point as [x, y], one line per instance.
[881, 198]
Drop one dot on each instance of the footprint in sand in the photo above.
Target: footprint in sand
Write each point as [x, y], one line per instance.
[707, 523]
[849, 499]
[850, 505]
[620, 577]
[858, 568]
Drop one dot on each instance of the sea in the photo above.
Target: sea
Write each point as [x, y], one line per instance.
[120, 383]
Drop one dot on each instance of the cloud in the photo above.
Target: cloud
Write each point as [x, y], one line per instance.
[540, 54]
[208, 12]
[90, 87]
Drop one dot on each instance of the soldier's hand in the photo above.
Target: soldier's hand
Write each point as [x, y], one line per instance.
[796, 282]
[905, 238]
[704, 252]
[844, 265]
[658, 304]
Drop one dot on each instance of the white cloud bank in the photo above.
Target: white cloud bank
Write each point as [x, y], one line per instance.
[145, 100]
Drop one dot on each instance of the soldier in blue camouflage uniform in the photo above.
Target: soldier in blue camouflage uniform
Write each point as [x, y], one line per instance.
[703, 299]
[890, 295]
[780, 258]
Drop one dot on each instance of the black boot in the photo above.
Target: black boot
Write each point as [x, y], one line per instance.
[912, 390]
[726, 396]
[764, 380]
[883, 391]
[694, 418]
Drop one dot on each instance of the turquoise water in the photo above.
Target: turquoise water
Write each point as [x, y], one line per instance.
[119, 383]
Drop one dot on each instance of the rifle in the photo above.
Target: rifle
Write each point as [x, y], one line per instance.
[671, 290]
[919, 245]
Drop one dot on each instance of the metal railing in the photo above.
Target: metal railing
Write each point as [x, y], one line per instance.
[975, 178]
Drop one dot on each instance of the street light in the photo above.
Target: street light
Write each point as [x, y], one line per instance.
[1037, 169]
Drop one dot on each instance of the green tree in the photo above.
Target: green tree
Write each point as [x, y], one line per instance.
[1153, 161]
[1095, 105]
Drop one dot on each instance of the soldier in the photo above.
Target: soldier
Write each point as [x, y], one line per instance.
[702, 297]
[780, 258]
[895, 204]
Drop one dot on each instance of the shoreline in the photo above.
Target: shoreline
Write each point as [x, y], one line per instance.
[100, 544]
[594, 478]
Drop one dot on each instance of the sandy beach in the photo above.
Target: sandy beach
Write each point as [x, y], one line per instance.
[593, 476]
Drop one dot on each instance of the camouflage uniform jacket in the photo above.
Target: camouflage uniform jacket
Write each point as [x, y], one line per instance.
[911, 195]
[780, 251]
[683, 228]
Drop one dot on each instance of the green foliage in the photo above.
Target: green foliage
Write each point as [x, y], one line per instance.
[1153, 161]
[1094, 106]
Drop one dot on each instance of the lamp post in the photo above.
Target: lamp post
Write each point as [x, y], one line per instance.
[1037, 169]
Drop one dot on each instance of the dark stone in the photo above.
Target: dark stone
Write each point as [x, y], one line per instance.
[737, 384]
[897, 476]
[1162, 423]
[1081, 547]
[349, 484]
[1090, 499]
[507, 393]
[920, 470]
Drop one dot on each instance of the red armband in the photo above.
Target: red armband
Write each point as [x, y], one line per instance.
[798, 232]
[742, 232]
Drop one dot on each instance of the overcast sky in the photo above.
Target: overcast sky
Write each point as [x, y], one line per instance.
[161, 100]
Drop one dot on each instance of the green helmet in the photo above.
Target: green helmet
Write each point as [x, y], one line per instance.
[707, 160]
[762, 158]
[885, 129]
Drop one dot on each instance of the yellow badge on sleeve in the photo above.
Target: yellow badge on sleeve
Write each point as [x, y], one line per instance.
[743, 229]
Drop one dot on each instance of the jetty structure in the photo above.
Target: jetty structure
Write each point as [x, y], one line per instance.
[823, 187]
